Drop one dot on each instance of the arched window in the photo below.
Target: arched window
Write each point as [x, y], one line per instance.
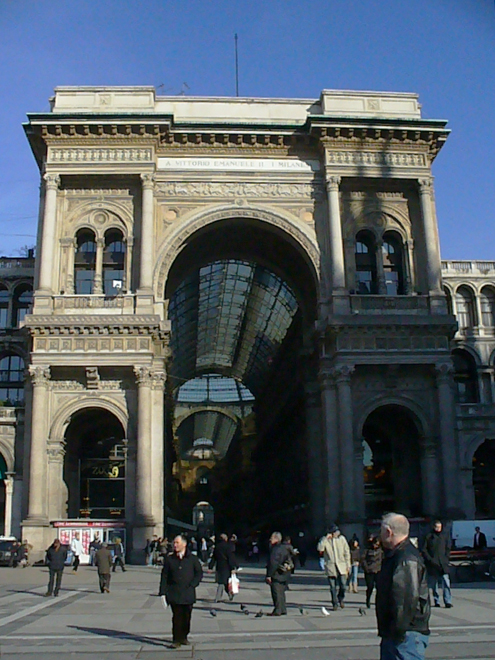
[393, 264]
[85, 262]
[23, 297]
[113, 263]
[365, 258]
[11, 380]
[448, 295]
[464, 298]
[465, 377]
[4, 306]
[487, 300]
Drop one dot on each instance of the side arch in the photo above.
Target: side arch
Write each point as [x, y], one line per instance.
[177, 239]
[380, 401]
[62, 418]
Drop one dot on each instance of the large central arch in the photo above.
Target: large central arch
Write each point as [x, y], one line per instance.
[277, 262]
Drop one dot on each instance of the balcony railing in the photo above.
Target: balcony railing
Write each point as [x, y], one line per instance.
[472, 410]
[371, 304]
[81, 302]
[468, 267]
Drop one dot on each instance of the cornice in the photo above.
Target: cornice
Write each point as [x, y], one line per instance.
[97, 325]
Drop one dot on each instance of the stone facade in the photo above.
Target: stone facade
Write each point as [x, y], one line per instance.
[342, 183]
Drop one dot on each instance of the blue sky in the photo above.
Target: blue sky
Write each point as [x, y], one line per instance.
[442, 49]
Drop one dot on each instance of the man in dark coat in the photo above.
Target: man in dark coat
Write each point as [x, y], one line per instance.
[103, 560]
[402, 601]
[436, 551]
[55, 558]
[224, 560]
[181, 574]
[479, 540]
[277, 575]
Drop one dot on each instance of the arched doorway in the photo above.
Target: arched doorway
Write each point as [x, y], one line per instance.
[241, 296]
[391, 462]
[95, 465]
[484, 479]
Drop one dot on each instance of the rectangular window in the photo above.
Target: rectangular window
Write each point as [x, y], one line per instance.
[364, 282]
[113, 281]
[3, 317]
[84, 282]
[392, 282]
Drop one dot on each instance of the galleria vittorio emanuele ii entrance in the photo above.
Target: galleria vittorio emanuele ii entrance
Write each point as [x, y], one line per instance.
[237, 302]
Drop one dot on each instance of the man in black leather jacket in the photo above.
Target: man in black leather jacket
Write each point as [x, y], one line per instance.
[276, 575]
[402, 602]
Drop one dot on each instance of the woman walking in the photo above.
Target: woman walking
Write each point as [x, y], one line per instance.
[352, 580]
[372, 564]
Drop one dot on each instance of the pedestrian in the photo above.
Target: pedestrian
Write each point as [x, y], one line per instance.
[56, 556]
[224, 561]
[371, 562]
[118, 551]
[479, 539]
[278, 572]
[181, 574]
[352, 578]
[94, 546]
[77, 550]
[147, 553]
[287, 543]
[436, 553]
[302, 546]
[402, 601]
[334, 549]
[23, 554]
[154, 546]
[103, 561]
[203, 550]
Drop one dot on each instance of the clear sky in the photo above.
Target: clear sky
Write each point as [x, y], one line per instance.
[442, 49]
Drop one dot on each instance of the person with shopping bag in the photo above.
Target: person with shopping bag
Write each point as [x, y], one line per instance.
[225, 562]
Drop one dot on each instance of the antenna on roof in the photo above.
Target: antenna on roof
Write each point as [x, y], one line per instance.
[236, 67]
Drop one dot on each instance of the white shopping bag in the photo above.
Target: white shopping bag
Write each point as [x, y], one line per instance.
[233, 584]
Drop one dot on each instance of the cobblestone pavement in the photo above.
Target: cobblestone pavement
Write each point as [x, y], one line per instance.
[130, 622]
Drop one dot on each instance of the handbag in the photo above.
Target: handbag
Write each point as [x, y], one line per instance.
[286, 566]
[233, 585]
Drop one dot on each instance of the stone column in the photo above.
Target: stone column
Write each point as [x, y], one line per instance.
[157, 448]
[69, 253]
[432, 248]
[380, 270]
[408, 267]
[446, 409]
[335, 229]
[429, 477]
[98, 281]
[37, 500]
[52, 182]
[144, 522]
[315, 457]
[147, 237]
[331, 446]
[346, 442]
[9, 494]
[57, 490]
[128, 262]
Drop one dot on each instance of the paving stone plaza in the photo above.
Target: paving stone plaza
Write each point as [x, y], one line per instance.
[130, 622]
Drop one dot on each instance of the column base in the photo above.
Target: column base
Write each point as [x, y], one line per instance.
[438, 303]
[340, 302]
[142, 531]
[144, 301]
[39, 534]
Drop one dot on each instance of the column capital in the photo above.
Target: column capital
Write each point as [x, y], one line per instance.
[51, 181]
[100, 242]
[158, 380]
[425, 185]
[147, 181]
[39, 375]
[343, 373]
[444, 371]
[332, 183]
[56, 451]
[143, 376]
